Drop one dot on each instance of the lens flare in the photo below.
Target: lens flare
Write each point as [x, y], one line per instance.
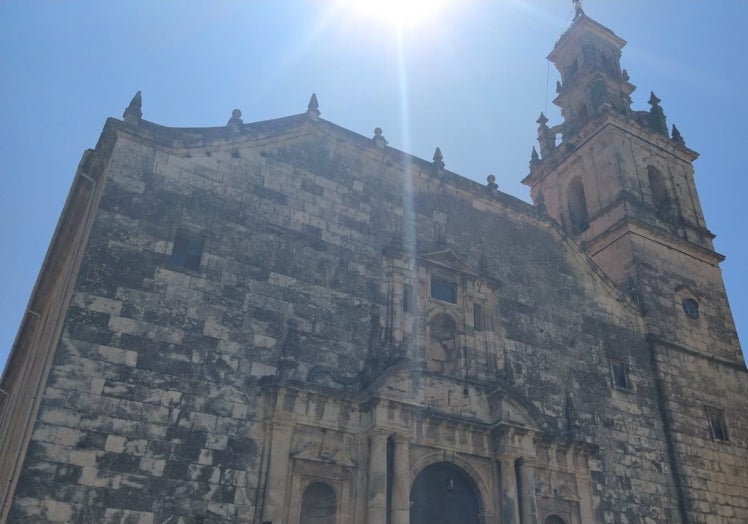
[399, 13]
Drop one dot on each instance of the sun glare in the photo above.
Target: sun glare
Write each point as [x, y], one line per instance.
[399, 13]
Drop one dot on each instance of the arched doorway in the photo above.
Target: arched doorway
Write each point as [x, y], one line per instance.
[444, 494]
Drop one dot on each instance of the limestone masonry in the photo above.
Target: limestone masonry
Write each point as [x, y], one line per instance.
[286, 322]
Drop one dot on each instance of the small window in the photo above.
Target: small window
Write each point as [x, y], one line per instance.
[443, 290]
[619, 374]
[717, 424]
[187, 251]
[691, 307]
[407, 298]
[479, 321]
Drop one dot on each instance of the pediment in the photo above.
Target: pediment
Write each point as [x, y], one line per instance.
[513, 409]
[449, 259]
[558, 490]
[315, 454]
[437, 394]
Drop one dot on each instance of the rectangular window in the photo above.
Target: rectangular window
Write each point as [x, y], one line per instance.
[717, 424]
[187, 251]
[407, 298]
[479, 321]
[443, 290]
[619, 374]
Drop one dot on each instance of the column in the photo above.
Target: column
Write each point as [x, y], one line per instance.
[401, 481]
[377, 493]
[509, 507]
[275, 489]
[527, 482]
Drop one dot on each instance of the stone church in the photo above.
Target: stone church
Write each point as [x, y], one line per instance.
[287, 322]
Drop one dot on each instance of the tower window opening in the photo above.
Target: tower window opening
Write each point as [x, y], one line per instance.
[573, 68]
[619, 374]
[479, 321]
[582, 115]
[658, 188]
[578, 216]
[717, 424]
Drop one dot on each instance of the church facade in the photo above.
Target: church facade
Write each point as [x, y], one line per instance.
[286, 322]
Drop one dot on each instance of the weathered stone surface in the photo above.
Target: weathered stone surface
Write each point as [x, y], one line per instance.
[311, 342]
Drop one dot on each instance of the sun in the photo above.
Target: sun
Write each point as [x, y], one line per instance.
[398, 13]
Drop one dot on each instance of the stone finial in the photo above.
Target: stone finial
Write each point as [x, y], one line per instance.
[578, 11]
[558, 86]
[546, 138]
[657, 121]
[491, 184]
[438, 159]
[378, 139]
[133, 112]
[312, 109]
[235, 122]
[677, 137]
[625, 75]
[534, 158]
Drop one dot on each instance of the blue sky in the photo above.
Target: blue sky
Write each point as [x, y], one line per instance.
[471, 78]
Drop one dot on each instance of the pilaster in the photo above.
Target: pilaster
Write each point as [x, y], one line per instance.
[377, 489]
[401, 481]
[509, 502]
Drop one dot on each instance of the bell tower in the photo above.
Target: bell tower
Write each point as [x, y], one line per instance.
[622, 186]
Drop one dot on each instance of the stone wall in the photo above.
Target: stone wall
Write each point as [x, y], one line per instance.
[162, 402]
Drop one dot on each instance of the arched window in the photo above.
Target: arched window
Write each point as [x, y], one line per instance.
[318, 504]
[579, 218]
[582, 115]
[573, 68]
[657, 187]
[554, 519]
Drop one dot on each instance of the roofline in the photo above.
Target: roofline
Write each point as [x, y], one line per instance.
[202, 137]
